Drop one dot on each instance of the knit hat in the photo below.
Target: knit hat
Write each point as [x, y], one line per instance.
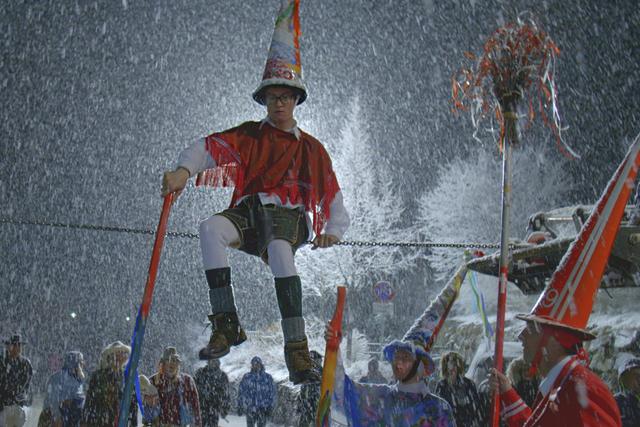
[116, 347]
[567, 301]
[14, 339]
[283, 67]
[421, 336]
[170, 354]
[72, 360]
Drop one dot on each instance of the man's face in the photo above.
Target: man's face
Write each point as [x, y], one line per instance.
[402, 364]
[172, 367]
[255, 366]
[530, 338]
[121, 358]
[452, 368]
[151, 400]
[280, 103]
[14, 350]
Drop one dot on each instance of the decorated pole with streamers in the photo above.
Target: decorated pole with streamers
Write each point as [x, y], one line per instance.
[131, 371]
[330, 360]
[515, 69]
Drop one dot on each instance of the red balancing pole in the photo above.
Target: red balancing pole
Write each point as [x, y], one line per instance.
[143, 313]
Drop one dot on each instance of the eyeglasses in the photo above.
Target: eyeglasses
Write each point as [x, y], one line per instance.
[285, 98]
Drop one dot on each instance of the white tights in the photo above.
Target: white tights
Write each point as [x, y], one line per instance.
[218, 233]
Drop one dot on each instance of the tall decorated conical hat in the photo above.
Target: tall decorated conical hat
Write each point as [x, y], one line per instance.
[421, 336]
[568, 299]
[283, 61]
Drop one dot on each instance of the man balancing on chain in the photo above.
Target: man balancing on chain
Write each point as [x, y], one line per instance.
[280, 174]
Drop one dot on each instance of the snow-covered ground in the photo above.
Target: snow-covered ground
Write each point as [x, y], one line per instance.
[34, 413]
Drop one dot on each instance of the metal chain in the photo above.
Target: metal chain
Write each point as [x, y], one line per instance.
[95, 227]
[461, 245]
[356, 243]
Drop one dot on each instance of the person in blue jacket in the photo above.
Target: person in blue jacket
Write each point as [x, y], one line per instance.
[66, 391]
[256, 395]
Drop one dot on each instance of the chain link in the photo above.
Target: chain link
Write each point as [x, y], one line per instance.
[95, 227]
[461, 245]
[182, 234]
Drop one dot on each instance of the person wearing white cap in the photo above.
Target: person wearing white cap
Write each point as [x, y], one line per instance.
[281, 174]
[106, 387]
[629, 397]
[150, 403]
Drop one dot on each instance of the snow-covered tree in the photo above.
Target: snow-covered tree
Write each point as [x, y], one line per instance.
[465, 204]
[376, 212]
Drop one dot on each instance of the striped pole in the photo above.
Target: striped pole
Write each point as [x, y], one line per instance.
[510, 137]
[131, 370]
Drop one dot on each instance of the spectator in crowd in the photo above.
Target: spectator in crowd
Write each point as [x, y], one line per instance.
[525, 385]
[106, 388]
[481, 374]
[66, 392]
[256, 395]
[15, 378]
[213, 390]
[603, 359]
[150, 403]
[374, 376]
[628, 398]
[307, 404]
[460, 392]
[179, 404]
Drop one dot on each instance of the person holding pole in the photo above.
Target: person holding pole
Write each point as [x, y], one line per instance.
[570, 393]
[281, 175]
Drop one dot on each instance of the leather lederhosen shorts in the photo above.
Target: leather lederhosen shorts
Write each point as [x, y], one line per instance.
[259, 224]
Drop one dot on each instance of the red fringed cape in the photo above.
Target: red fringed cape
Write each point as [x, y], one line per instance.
[264, 159]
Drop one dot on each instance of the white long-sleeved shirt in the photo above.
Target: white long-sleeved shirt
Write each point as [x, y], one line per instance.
[196, 159]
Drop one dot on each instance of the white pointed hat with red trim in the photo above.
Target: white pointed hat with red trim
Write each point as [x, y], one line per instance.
[283, 67]
[567, 301]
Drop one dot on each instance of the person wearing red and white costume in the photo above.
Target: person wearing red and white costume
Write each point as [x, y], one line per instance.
[570, 394]
[281, 175]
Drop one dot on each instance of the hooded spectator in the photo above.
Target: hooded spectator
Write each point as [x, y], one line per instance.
[256, 395]
[213, 390]
[374, 376]
[459, 391]
[66, 392]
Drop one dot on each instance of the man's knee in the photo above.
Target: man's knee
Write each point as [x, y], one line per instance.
[281, 251]
[281, 258]
[220, 229]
